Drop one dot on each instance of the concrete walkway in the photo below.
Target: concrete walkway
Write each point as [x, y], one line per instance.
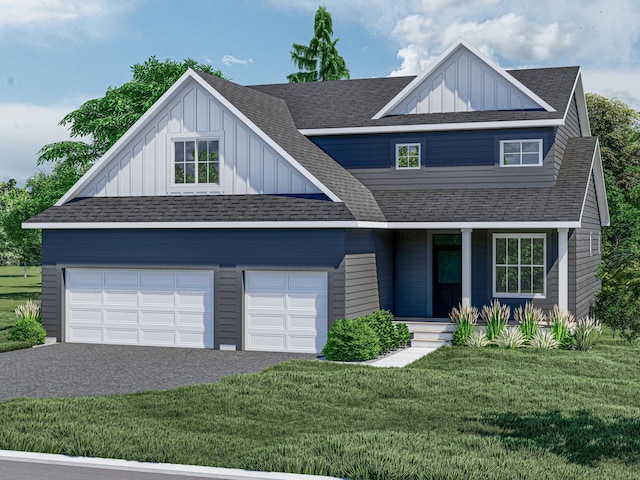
[403, 358]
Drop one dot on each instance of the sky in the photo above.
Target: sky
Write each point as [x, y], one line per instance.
[56, 54]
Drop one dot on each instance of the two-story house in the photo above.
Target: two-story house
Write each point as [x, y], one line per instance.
[251, 218]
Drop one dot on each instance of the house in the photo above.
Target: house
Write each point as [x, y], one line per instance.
[234, 217]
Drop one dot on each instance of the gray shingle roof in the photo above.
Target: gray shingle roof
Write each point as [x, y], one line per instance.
[273, 117]
[195, 208]
[562, 202]
[353, 103]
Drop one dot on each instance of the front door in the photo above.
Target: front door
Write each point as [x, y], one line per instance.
[447, 273]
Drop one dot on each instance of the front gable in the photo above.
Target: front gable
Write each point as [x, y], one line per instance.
[142, 163]
[463, 80]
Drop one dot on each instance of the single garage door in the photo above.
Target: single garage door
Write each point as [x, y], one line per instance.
[285, 311]
[139, 307]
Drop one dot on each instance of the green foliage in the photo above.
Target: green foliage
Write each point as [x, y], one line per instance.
[28, 330]
[465, 317]
[529, 318]
[11, 346]
[478, 338]
[381, 322]
[562, 325]
[402, 335]
[587, 333]
[461, 334]
[351, 340]
[320, 60]
[495, 317]
[510, 338]
[543, 339]
[30, 309]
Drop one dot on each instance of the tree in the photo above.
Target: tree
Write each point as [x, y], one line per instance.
[320, 60]
[617, 126]
[99, 123]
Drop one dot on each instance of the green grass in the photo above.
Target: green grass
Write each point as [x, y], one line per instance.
[457, 413]
[15, 289]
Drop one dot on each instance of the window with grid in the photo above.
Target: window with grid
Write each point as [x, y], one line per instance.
[407, 156]
[519, 266]
[520, 153]
[196, 162]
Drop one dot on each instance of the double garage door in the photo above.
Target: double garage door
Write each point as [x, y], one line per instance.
[284, 311]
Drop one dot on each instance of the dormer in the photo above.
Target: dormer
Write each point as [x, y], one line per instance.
[463, 79]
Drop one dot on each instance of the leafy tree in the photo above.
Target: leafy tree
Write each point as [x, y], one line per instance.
[320, 60]
[617, 126]
[98, 124]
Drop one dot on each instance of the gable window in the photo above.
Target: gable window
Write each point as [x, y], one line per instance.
[519, 265]
[196, 162]
[520, 153]
[407, 156]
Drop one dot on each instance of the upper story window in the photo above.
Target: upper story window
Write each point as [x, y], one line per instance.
[520, 153]
[196, 162]
[519, 265]
[407, 156]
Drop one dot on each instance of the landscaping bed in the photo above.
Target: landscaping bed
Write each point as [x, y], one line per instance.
[15, 289]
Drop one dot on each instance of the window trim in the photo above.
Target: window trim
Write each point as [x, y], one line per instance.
[494, 266]
[195, 137]
[520, 140]
[409, 144]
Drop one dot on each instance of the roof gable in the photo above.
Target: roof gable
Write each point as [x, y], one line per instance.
[462, 79]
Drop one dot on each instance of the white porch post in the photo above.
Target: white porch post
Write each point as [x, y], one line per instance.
[466, 266]
[563, 269]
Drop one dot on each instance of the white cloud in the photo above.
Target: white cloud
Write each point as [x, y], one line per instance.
[231, 60]
[35, 20]
[24, 130]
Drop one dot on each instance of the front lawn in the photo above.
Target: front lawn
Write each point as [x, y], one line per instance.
[15, 289]
[457, 413]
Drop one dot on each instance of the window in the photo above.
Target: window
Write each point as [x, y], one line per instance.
[520, 153]
[407, 156]
[196, 161]
[594, 243]
[519, 265]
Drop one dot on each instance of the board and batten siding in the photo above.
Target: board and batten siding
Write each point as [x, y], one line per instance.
[371, 159]
[144, 165]
[570, 129]
[464, 83]
[586, 256]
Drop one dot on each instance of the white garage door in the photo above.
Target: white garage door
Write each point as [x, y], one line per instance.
[139, 307]
[286, 311]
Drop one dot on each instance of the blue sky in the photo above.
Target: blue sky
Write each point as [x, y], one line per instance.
[56, 54]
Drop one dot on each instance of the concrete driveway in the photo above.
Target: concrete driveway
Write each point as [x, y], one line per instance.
[77, 370]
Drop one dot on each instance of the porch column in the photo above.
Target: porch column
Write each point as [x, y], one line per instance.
[466, 266]
[563, 269]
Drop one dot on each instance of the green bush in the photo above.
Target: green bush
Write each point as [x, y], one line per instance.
[350, 340]
[28, 330]
[29, 309]
[381, 321]
[587, 333]
[461, 334]
[402, 334]
[496, 317]
[562, 323]
[465, 318]
[529, 318]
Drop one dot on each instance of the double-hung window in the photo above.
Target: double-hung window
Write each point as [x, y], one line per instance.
[196, 161]
[521, 153]
[519, 265]
[407, 156]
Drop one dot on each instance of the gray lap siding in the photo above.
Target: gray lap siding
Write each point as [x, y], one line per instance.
[227, 252]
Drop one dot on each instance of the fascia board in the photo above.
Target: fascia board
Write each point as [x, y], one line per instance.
[129, 134]
[435, 127]
[601, 188]
[461, 43]
[266, 138]
[581, 103]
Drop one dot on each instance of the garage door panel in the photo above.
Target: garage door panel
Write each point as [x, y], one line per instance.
[306, 282]
[303, 342]
[270, 281]
[312, 302]
[303, 322]
[265, 320]
[268, 301]
[270, 342]
[139, 307]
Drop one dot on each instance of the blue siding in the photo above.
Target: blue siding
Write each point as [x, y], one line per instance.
[411, 274]
[439, 149]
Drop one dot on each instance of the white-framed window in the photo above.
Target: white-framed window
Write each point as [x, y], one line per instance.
[407, 156]
[594, 243]
[519, 265]
[196, 161]
[521, 153]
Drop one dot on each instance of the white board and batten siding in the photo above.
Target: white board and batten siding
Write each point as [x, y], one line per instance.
[464, 83]
[155, 307]
[144, 165]
[286, 311]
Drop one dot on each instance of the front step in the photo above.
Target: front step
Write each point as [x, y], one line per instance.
[430, 343]
[430, 334]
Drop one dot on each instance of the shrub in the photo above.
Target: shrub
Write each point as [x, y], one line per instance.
[465, 318]
[402, 335]
[477, 339]
[28, 330]
[528, 317]
[511, 338]
[543, 339]
[351, 340]
[29, 309]
[587, 333]
[496, 317]
[562, 324]
[381, 321]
